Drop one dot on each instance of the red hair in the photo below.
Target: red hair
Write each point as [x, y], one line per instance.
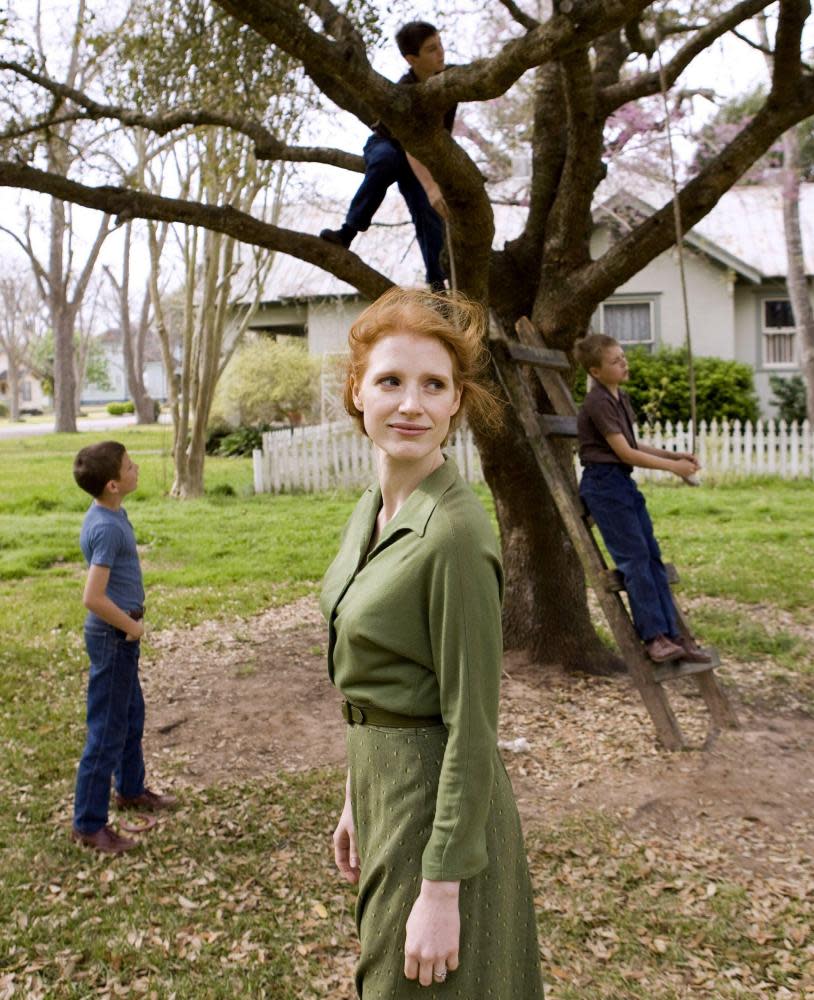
[454, 320]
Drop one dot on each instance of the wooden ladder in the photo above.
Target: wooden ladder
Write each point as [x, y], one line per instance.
[556, 466]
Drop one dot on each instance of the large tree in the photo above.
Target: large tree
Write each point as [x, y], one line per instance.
[589, 59]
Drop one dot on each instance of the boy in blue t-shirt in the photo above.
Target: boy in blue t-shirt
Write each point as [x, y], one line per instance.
[114, 597]
[608, 450]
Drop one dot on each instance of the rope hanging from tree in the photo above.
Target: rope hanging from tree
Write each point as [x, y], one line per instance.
[679, 244]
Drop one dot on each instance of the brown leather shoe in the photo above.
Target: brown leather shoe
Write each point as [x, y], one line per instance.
[692, 652]
[148, 801]
[663, 650]
[105, 839]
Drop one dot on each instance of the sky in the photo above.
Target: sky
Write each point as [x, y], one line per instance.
[730, 66]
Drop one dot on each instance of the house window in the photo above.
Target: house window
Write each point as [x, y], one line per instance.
[631, 323]
[779, 334]
[25, 391]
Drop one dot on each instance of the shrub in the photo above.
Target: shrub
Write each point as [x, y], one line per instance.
[659, 387]
[118, 409]
[789, 396]
[267, 381]
[3, 410]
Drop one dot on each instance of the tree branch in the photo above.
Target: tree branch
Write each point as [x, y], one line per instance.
[349, 74]
[127, 204]
[647, 84]
[657, 233]
[788, 69]
[522, 18]
[266, 145]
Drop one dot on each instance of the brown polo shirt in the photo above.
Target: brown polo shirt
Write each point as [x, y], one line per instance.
[602, 414]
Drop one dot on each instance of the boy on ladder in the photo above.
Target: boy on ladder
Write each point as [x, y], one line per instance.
[608, 451]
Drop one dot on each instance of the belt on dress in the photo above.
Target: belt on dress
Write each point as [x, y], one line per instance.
[355, 715]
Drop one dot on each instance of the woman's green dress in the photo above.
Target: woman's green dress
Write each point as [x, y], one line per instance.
[414, 628]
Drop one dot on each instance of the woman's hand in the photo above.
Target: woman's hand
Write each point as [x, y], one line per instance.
[688, 455]
[346, 853]
[433, 933]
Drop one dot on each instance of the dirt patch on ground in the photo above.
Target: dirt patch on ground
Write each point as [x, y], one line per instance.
[239, 700]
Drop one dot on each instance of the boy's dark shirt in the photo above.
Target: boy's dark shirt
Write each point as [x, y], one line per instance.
[382, 130]
[602, 414]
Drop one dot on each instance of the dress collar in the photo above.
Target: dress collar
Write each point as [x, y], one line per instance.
[417, 509]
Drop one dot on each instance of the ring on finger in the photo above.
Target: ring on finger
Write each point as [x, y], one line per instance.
[439, 976]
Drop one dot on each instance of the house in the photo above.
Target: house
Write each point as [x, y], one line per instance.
[112, 345]
[32, 394]
[734, 259]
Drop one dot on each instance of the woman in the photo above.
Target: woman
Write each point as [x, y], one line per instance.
[429, 829]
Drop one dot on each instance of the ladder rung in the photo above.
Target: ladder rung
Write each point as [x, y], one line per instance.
[555, 425]
[615, 582]
[542, 356]
[672, 671]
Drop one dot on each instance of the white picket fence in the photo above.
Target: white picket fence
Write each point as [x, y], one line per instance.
[336, 456]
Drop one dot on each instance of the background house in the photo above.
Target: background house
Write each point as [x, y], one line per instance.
[32, 394]
[112, 343]
[735, 264]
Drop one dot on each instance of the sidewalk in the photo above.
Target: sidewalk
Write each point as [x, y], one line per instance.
[82, 424]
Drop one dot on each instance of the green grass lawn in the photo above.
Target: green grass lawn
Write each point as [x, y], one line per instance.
[231, 901]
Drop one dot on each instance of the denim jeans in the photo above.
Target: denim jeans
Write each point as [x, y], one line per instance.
[115, 717]
[385, 164]
[617, 506]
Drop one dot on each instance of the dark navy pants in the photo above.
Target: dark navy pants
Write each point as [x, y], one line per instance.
[385, 164]
[115, 726]
[617, 506]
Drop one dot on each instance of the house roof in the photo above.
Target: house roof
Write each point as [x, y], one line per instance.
[743, 232]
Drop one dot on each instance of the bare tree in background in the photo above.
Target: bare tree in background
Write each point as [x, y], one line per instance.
[20, 317]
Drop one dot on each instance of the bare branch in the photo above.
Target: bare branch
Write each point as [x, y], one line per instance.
[751, 43]
[653, 236]
[347, 75]
[266, 145]
[125, 204]
[522, 18]
[647, 84]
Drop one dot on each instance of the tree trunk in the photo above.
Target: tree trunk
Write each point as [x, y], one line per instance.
[545, 607]
[13, 385]
[796, 280]
[64, 373]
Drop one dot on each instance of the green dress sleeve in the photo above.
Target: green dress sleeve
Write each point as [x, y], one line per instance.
[465, 589]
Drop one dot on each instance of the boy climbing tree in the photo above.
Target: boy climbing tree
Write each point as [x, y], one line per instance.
[387, 162]
[608, 450]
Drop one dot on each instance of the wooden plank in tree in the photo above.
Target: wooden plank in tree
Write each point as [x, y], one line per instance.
[550, 378]
[666, 672]
[542, 356]
[555, 425]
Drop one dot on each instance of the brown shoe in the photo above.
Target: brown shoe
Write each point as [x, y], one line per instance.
[692, 652]
[663, 650]
[148, 801]
[105, 839]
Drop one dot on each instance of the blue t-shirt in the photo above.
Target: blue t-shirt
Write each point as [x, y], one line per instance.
[107, 539]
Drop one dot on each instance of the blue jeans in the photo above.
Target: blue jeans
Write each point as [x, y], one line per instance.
[385, 164]
[115, 718]
[617, 506]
